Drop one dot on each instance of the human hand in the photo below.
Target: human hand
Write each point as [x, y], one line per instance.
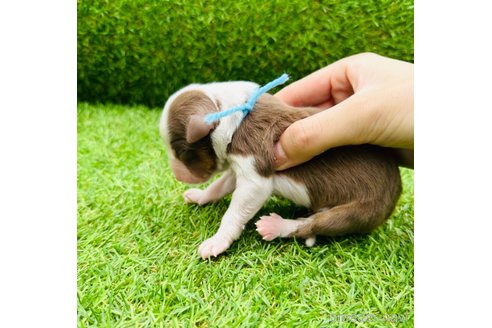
[369, 100]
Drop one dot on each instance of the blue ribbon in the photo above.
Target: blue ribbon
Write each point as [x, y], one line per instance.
[248, 106]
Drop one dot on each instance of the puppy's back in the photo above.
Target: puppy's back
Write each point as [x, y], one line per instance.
[365, 174]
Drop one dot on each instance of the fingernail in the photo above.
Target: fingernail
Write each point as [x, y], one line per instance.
[280, 157]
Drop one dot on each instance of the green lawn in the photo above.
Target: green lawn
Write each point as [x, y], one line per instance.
[137, 248]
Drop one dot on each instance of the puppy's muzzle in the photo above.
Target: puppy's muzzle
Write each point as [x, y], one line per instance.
[182, 173]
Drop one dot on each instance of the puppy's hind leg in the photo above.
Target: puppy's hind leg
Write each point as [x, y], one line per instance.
[344, 219]
[354, 217]
[273, 226]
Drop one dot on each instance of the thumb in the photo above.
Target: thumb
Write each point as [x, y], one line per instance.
[304, 139]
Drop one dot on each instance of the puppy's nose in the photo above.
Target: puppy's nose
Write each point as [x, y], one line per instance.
[182, 173]
[187, 178]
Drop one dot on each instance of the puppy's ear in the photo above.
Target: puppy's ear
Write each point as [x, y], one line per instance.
[197, 128]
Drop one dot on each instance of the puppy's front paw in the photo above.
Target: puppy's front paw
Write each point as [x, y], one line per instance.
[213, 247]
[193, 196]
[270, 227]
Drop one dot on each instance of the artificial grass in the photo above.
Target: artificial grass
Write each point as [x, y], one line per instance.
[137, 248]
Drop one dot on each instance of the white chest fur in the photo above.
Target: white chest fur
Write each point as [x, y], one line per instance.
[290, 189]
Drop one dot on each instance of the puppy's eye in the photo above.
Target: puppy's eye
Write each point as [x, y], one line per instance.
[187, 157]
[178, 153]
[179, 147]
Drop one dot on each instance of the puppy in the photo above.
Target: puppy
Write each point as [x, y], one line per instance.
[351, 189]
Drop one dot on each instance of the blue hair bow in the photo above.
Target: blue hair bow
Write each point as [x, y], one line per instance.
[248, 106]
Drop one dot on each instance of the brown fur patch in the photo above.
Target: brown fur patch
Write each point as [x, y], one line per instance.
[262, 128]
[199, 157]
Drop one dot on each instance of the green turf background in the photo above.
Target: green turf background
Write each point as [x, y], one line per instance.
[140, 51]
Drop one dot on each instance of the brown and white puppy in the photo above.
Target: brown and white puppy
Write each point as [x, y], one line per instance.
[351, 189]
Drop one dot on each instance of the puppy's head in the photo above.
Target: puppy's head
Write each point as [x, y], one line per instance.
[185, 133]
[187, 136]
